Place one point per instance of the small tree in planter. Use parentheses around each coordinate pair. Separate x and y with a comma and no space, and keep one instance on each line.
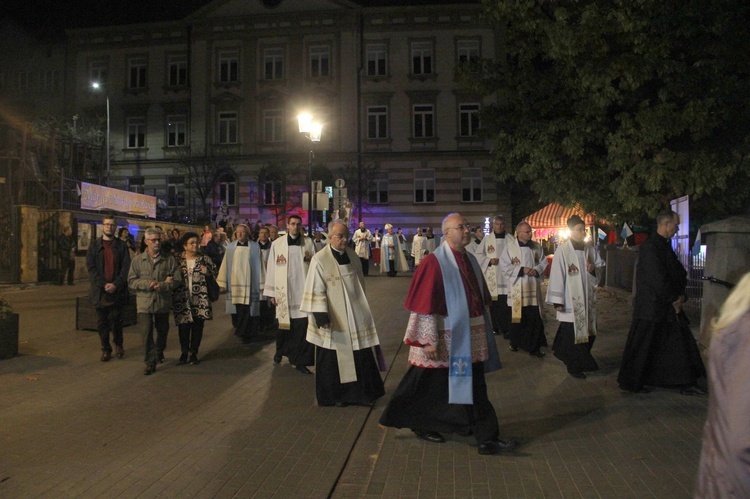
(8,330)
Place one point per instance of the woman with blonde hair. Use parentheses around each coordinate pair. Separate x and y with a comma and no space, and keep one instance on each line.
(724,469)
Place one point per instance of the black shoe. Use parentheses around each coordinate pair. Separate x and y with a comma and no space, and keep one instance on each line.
(149,370)
(194,361)
(496,333)
(160,357)
(578,375)
(183,359)
(537,353)
(341,404)
(303,369)
(430,436)
(693,390)
(497,446)
(513,348)
(119,351)
(506,336)
(277,358)
(106,355)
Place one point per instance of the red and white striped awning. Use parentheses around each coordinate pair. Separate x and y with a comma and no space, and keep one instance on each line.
(555,216)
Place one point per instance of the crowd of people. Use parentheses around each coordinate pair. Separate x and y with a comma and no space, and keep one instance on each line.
(467,292)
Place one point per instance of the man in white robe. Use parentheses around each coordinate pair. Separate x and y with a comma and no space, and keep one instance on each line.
(523,264)
(575,273)
(288,263)
(392,254)
(418,247)
(240,275)
(488,254)
(341,326)
(362,238)
(476,241)
(431,242)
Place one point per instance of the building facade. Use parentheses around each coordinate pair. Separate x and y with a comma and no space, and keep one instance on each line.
(220,91)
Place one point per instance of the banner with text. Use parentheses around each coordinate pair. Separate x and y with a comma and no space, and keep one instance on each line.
(96,197)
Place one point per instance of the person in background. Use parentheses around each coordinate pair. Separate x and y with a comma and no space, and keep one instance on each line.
(362,238)
(206,236)
(66,250)
(191,304)
(488,253)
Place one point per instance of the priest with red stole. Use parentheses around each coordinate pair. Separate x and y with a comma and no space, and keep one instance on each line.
(451,347)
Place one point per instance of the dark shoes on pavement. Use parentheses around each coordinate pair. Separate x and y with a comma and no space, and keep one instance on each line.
(537,353)
(693,390)
(513,348)
(194,361)
(429,436)
(303,369)
(277,358)
(106,355)
(183,359)
(119,351)
(151,369)
(160,357)
(578,375)
(496,446)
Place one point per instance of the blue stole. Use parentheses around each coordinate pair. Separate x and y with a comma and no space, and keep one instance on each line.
(254,251)
(460,388)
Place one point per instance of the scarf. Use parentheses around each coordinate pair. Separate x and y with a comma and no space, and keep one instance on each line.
(574,284)
(282,276)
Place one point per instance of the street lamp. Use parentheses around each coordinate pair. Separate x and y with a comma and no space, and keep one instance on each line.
(312,131)
(97,87)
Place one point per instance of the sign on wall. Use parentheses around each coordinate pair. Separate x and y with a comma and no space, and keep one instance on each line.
(97,197)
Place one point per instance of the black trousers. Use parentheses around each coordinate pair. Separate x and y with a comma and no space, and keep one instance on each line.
(391,267)
(67,266)
(365,265)
(501,314)
(109,319)
(247,325)
(292,343)
(191,335)
(159,321)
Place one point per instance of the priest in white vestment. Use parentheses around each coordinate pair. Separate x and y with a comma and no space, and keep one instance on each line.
(341,326)
(488,255)
(392,254)
(362,238)
(418,247)
(288,262)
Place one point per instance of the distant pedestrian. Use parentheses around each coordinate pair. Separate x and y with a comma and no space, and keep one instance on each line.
(66,250)
(724,469)
(660,349)
(362,238)
(153,276)
(392,253)
(108,264)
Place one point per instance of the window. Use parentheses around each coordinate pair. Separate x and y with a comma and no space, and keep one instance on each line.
(176,192)
(273,125)
(272,192)
(176,131)
(98,72)
(137,77)
(229,65)
(135,184)
(424,186)
(50,81)
(136,133)
(177,71)
(377,62)
(421,58)
(273,64)
(468,51)
(377,122)
(471,185)
(228,190)
(320,61)
(424,121)
(378,191)
(228,128)
(468,120)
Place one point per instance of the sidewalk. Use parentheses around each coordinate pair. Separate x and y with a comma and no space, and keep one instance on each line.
(238,426)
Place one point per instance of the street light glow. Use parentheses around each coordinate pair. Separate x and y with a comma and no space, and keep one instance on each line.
(305,122)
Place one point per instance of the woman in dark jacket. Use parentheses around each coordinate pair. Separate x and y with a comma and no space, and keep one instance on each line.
(192,306)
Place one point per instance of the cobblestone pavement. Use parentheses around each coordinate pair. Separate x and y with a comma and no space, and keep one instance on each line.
(238,426)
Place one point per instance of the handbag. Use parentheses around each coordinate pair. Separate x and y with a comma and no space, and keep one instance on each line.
(213,288)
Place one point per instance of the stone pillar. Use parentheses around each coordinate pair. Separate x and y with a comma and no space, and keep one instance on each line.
(28,223)
(727,258)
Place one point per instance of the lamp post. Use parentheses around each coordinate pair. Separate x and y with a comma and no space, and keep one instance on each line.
(312,131)
(98,86)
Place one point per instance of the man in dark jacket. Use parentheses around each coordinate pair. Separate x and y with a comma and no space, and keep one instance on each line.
(108,263)
(660,350)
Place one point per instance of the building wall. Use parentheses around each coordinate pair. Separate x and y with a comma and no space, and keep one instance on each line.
(249,30)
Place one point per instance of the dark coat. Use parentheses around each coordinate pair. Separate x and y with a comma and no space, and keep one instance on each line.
(660,280)
(95,266)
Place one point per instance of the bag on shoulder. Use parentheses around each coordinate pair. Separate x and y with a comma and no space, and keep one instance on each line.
(213,288)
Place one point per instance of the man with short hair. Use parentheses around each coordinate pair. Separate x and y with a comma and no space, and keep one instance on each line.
(476,241)
(488,253)
(108,264)
(451,348)
(362,238)
(575,273)
(392,254)
(266,309)
(240,274)
(660,349)
(419,247)
(285,281)
(341,326)
(523,264)
(153,276)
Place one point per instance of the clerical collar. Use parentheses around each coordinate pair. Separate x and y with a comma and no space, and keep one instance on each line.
(265,245)
(430,236)
(577,245)
(342,258)
(500,235)
(241,244)
(477,241)
(293,241)
(524,244)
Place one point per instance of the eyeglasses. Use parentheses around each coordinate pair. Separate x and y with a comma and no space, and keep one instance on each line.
(338,236)
(153,240)
(461,227)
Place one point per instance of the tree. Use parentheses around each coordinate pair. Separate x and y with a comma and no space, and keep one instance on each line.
(621,105)
(202,170)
